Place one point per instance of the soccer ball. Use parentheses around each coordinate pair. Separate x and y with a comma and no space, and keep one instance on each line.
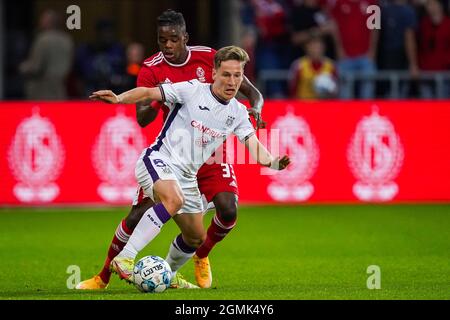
(325,85)
(152,274)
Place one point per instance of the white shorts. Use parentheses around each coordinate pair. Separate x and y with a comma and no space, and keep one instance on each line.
(153,166)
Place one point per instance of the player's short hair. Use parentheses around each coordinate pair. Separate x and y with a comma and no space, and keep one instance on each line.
(230,53)
(171,18)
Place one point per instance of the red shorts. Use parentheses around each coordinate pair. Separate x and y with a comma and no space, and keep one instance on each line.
(215,178)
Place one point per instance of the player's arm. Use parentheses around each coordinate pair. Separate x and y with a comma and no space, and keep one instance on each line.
(256,101)
(140,94)
(263,156)
(147,111)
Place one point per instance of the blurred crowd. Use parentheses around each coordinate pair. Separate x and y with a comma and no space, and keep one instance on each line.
(317,43)
(56,69)
(323,41)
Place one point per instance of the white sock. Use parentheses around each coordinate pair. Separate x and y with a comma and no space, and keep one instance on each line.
(146,230)
(179,254)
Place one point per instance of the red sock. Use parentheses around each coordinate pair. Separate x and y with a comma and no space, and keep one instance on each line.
(119,241)
(216,232)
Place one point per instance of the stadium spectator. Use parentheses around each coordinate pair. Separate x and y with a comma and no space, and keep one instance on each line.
(314,75)
(398,48)
(434,44)
(355,44)
(135,57)
(272,48)
(49,61)
(101,64)
(307,19)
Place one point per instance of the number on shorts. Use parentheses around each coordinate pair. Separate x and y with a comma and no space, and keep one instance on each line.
(159,163)
(228,171)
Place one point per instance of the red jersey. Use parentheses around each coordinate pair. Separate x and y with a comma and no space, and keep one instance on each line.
(434,45)
(351,17)
(156,69)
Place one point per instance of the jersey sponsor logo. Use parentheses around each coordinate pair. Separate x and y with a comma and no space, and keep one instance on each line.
(201,74)
(297,141)
(36,158)
(375,156)
(114,154)
(205,130)
(203,108)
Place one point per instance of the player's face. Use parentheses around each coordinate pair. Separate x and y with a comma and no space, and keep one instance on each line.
(172,42)
(227,79)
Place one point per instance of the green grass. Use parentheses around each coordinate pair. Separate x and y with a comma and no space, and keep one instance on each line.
(304,252)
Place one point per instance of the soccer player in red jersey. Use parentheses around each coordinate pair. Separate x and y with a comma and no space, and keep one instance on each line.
(178,62)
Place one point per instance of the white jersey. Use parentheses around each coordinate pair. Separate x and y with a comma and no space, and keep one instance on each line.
(198,123)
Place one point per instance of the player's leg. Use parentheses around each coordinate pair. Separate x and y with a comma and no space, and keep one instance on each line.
(190,222)
(122,234)
(137,211)
(149,226)
(184,245)
(119,240)
(222,223)
(155,176)
(218,183)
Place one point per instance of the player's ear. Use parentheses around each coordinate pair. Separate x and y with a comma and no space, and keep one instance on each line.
(186,37)
(214,73)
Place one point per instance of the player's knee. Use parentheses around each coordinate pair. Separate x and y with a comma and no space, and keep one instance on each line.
(227,212)
(133,218)
(137,211)
(173,203)
(226,206)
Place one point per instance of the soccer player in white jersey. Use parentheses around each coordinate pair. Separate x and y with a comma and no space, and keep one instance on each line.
(201,117)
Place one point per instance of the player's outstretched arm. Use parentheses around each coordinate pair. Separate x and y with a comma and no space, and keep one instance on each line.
(131,96)
(263,156)
(256,101)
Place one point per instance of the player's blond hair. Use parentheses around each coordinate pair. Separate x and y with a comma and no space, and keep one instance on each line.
(230,53)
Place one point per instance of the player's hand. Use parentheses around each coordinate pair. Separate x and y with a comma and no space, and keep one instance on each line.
(280,164)
(105,95)
(256,114)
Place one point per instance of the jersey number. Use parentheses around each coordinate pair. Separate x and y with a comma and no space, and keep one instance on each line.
(159,163)
(227,171)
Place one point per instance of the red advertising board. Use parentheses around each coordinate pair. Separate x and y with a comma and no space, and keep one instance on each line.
(378,151)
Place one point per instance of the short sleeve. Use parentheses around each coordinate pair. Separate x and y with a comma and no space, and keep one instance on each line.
(178,92)
(244,129)
(146,78)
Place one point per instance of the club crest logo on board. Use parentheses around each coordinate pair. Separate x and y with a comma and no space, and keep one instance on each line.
(297,141)
(36,158)
(114,155)
(375,156)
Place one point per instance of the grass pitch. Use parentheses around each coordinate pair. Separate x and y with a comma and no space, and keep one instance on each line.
(303,252)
